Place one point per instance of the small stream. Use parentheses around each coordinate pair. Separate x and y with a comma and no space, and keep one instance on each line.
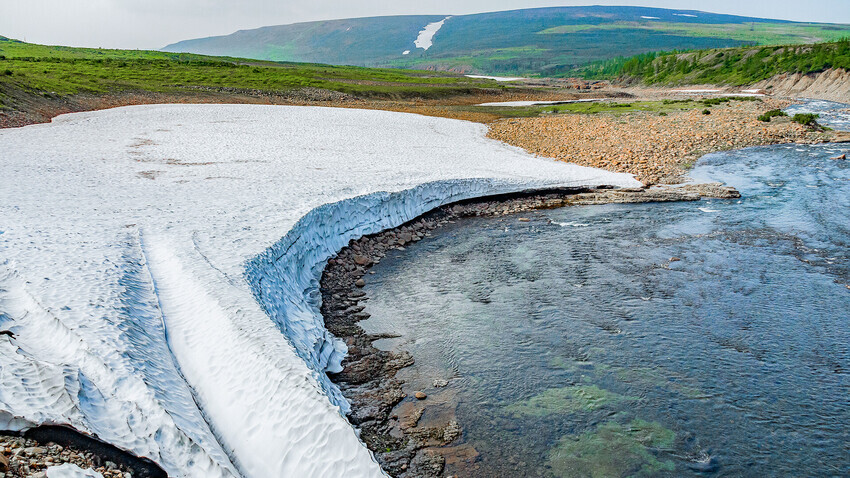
(683,339)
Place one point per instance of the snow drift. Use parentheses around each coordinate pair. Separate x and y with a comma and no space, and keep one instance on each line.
(159,269)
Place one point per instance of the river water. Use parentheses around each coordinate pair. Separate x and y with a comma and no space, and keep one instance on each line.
(684,339)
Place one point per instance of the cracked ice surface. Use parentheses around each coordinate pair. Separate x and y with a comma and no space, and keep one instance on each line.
(159,270)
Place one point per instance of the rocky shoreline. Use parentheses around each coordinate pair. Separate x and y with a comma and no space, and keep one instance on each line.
(31,454)
(389,420)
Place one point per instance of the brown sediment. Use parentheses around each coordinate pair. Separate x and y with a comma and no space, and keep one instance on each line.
(391,422)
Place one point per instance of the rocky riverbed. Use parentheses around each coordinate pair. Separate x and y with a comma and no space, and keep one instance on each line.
(390,425)
(27,458)
(655,148)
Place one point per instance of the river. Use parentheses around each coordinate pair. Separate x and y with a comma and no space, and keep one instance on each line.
(682,339)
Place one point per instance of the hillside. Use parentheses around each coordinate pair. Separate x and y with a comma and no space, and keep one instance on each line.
(38,81)
(732,66)
(541,41)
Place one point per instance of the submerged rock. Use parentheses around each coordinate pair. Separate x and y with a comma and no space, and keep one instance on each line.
(613,450)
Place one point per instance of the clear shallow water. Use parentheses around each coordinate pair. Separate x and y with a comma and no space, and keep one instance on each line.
(575,347)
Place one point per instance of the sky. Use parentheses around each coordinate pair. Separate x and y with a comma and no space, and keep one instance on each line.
(152,24)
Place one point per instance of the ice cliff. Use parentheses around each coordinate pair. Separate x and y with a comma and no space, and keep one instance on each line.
(159,269)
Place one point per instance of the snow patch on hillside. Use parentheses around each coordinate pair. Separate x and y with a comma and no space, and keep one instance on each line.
(426,37)
(159,270)
(496,78)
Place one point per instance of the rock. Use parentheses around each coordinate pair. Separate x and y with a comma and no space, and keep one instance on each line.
(4,463)
(34,451)
(362,260)
(843,156)
(524,219)
(439,382)
(675,259)
(420,395)
(360,283)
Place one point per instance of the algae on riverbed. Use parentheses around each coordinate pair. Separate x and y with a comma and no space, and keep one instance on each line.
(612,450)
(574,398)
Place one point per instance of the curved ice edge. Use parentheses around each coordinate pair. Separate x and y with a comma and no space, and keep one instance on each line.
(285,277)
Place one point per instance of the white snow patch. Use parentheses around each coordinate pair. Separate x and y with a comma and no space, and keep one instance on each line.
(496,78)
(650,18)
(685,15)
(570,224)
(159,270)
(426,36)
(695,91)
(69,470)
(533,103)
(405,52)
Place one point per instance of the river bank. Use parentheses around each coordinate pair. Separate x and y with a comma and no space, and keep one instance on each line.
(656,148)
(391,423)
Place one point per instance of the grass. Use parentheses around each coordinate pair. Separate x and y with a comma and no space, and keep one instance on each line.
(755,33)
(662,108)
(766,117)
(806,119)
(730,66)
(57,70)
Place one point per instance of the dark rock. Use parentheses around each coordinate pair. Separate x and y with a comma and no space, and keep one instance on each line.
(362,260)
(360,283)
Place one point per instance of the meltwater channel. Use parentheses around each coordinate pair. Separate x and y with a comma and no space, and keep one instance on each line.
(685,339)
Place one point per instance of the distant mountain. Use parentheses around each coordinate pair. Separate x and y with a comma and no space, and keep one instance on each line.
(547,41)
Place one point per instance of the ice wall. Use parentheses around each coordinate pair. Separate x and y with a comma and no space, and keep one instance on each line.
(159,268)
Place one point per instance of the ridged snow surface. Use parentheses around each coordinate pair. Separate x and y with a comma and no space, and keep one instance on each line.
(159,270)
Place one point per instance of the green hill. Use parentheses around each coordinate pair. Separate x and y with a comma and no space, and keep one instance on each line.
(541,41)
(62,71)
(732,66)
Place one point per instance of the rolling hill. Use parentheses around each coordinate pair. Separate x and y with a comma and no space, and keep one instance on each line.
(540,41)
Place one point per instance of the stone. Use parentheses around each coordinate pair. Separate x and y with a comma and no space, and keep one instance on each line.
(360,283)
(675,259)
(420,395)
(34,450)
(524,219)
(4,462)
(843,156)
(362,260)
(440,382)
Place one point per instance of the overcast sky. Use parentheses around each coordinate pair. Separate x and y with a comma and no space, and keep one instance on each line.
(151,24)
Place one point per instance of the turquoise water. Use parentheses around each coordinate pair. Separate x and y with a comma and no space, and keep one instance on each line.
(575,346)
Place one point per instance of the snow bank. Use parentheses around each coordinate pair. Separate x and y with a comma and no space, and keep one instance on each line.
(496,78)
(534,103)
(69,470)
(426,37)
(159,269)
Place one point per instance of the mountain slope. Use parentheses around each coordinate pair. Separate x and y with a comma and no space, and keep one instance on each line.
(547,41)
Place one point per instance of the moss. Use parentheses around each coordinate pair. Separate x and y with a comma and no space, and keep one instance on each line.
(575,398)
(613,450)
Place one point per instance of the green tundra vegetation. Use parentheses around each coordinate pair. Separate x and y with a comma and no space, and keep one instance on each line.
(56,70)
(547,42)
(729,66)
